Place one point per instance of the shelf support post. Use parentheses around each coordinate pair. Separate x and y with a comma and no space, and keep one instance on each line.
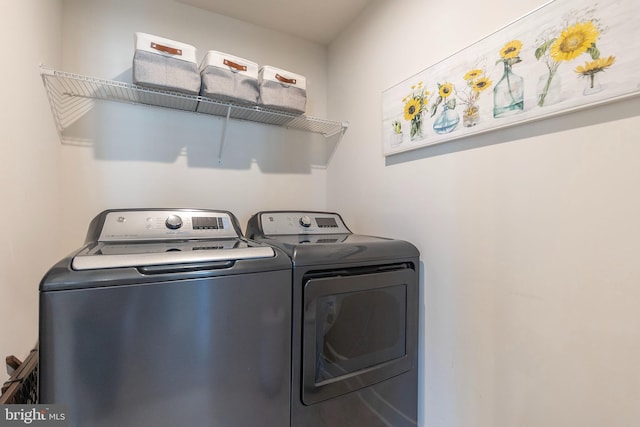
(224,134)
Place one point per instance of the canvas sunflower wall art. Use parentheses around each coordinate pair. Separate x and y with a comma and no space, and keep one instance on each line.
(564,56)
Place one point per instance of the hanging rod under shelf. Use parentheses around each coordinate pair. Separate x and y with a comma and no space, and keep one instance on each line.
(71,95)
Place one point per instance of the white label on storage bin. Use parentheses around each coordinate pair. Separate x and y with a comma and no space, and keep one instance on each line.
(230,62)
(286,78)
(165,47)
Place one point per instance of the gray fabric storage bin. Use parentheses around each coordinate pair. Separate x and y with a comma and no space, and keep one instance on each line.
(165,64)
(282,90)
(229,78)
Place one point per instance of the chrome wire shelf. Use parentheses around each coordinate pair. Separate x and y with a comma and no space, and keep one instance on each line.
(72,95)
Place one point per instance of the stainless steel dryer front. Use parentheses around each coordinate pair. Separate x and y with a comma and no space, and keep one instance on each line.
(167,317)
(355,321)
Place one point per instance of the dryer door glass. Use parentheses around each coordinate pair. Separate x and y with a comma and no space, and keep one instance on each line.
(355,331)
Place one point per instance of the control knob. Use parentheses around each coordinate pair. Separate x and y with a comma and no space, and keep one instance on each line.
(305,221)
(173,222)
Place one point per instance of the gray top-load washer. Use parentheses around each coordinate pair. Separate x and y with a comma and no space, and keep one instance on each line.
(167,317)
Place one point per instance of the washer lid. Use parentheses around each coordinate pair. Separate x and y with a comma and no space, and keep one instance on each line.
(112,255)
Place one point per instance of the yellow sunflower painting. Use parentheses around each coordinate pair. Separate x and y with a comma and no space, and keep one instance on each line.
(477,82)
(411,109)
(481,84)
(564,56)
(511,50)
(574,41)
(446,89)
(593,67)
(415,104)
(473,74)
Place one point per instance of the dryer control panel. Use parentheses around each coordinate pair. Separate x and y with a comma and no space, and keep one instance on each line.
(301,222)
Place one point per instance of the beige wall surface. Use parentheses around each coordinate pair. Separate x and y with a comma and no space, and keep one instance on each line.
(119,155)
(529,235)
(29,169)
(134,156)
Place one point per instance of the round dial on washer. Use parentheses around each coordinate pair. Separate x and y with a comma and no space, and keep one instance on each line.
(305,221)
(173,222)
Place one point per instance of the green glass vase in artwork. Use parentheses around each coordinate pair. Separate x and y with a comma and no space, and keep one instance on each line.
(508,94)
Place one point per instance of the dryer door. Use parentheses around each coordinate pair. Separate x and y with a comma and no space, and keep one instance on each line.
(359,329)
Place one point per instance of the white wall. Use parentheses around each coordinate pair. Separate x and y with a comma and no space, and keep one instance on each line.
(121,155)
(29,168)
(529,236)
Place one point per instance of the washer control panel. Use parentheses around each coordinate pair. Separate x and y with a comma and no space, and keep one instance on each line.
(166,224)
(301,222)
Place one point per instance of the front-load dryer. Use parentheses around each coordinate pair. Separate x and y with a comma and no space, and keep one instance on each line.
(354,321)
